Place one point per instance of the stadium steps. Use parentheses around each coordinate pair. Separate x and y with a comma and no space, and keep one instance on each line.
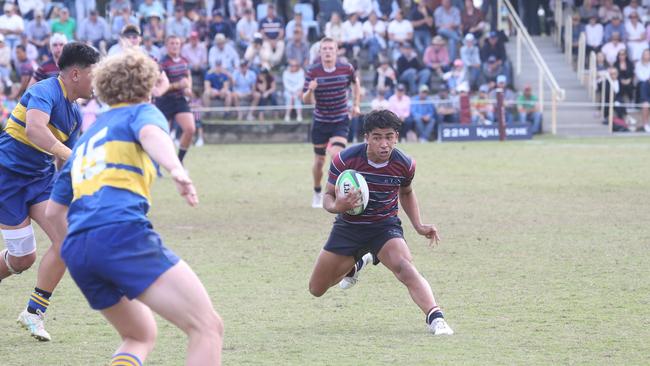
(572,121)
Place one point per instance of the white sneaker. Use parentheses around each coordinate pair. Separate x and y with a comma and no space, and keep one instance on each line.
(317,200)
(35,324)
(646,127)
(348,282)
(439,327)
(199,142)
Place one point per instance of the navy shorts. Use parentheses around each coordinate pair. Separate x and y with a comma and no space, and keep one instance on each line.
(355,240)
(321,132)
(172,105)
(19,192)
(116,260)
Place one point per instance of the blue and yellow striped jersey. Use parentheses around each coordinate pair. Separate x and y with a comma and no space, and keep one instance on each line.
(108,176)
(20,155)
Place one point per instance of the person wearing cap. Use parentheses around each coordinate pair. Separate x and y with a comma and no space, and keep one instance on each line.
(38,32)
(154,29)
(509,97)
(491,69)
(123,19)
(150,7)
(472,20)
(64,24)
(246,28)
(374,35)
(297,48)
(471,57)
(456,76)
(615,26)
(410,69)
(12,25)
(528,108)
(423,114)
(608,11)
(50,68)
(436,56)
(448,22)
(196,53)
(243,87)
(219,24)
(482,107)
(130,36)
(178,25)
(447,106)
(93,29)
(225,52)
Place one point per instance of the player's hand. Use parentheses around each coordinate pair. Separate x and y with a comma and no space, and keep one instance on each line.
(185,186)
(348,201)
(356,111)
(430,232)
(313,85)
(183,83)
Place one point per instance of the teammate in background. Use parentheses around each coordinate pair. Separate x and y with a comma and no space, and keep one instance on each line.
(116,259)
(326,85)
(377,232)
(50,68)
(40,132)
(173,104)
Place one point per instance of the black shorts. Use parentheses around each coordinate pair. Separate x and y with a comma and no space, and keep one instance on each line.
(321,132)
(355,240)
(172,105)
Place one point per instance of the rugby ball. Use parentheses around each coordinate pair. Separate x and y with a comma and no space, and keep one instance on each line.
(351,179)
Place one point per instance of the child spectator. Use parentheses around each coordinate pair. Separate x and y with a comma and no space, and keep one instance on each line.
(293,80)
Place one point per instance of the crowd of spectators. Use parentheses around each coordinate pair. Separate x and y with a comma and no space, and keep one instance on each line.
(416,60)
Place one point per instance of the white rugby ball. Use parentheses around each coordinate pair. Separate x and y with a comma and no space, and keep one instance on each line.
(346,181)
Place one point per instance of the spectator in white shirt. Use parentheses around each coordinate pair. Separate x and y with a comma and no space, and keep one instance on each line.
(178,25)
(225,52)
(294,23)
(247,26)
(352,35)
(196,54)
(594,34)
(11,25)
(334,29)
(636,38)
(360,7)
(611,48)
(400,30)
(293,80)
(634,7)
(374,35)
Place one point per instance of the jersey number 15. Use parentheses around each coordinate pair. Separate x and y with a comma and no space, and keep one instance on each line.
(90,159)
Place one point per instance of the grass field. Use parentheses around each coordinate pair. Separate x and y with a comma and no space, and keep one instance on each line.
(545,260)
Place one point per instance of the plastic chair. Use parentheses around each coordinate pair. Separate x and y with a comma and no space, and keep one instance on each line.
(307,12)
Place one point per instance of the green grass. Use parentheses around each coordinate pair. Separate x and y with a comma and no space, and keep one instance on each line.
(544,260)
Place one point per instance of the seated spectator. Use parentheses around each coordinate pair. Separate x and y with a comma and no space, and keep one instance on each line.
(613,27)
(334,30)
(625,69)
(400,31)
(494,46)
(149,7)
(12,25)
(385,76)
(422,21)
(642,73)
(619,111)
(30,52)
(447,19)
(154,29)
(219,24)
(447,106)
(297,48)
(196,54)
(293,80)
(294,23)
(380,102)
(178,25)
(93,29)
(201,25)
(374,36)
(587,11)
(609,11)
(150,48)
(492,69)
(482,107)
(244,81)
(509,98)
(352,36)
(473,20)
(577,29)
(636,37)
(400,104)
(216,85)
(273,50)
(124,18)
(272,27)
(264,94)
(246,29)
(361,8)
(456,76)
(5,61)
(594,35)
(225,52)
(410,69)
(423,114)
(528,108)
(38,32)
(64,24)
(471,57)
(117,6)
(436,56)
(257,58)
(236,8)
(611,48)
(634,7)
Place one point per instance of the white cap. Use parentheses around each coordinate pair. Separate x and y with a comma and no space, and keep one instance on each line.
(58,38)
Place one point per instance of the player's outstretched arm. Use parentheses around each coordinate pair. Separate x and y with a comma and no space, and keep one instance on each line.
(410,205)
(41,136)
(336,204)
(160,147)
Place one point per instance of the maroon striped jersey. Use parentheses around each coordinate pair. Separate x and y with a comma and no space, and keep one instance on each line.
(49,69)
(332,92)
(176,69)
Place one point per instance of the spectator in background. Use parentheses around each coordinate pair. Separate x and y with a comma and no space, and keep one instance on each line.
(612,48)
(447,19)
(24,68)
(117,6)
(608,11)
(385,76)
(5,61)
(447,106)
(473,20)
(150,48)
(400,104)
(636,37)
(243,87)
(400,31)
(352,36)
(470,55)
(272,26)
(410,69)
(422,22)
(334,29)
(149,7)
(423,114)
(594,35)
(219,24)
(482,107)
(257,58)
(49,68)
(625,69)
(642,73)
(509,97)
(634,7)
(614,85)
(436,56)
(528,108)
(154,29)
(297,48)
(264,94)
(587,10)
(93,29)
(374,35)
(216,85)
(238,7)
(124,18)
(196,54)
(12,25)
(178,25)
(129,37)
(361,8)
(380,102)
(274,51)
(38,32)
(293,80)
(615,26)
(201,25)
(492,69)
(225,52)
(494,46)
(576,29)
(246,28)
(30,52)
(294,23)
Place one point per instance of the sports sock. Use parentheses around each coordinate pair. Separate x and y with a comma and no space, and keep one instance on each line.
(357,267)
(125,359)
(317,189)
(181,154)
(434,313)
(39,300)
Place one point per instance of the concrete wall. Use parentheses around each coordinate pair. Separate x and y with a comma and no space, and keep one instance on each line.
(256,133)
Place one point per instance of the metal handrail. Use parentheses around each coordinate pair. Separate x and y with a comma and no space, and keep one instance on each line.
(557,93)
(558,22)
(592,76)
(582,50)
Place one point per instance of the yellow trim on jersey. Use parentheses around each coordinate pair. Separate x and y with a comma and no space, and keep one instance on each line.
(18,132)
(65,93)
(119,105)
(128,153)
(116,178)
(121,362)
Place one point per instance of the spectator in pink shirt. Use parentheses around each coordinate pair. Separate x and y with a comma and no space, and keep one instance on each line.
(196,54)
(436,56)
(400,104)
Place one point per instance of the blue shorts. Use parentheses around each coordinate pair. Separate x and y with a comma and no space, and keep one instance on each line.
(116,260)
(322,132)
(355,240)
(19,192)
(172,105)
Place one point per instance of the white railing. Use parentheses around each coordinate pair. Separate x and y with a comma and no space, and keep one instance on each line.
(592,77)
(568,39)
(545,75)
(558,22)
(582,50)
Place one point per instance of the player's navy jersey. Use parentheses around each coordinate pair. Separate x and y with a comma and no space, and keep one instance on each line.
(332,92)
(384,181)
(176,69)
(108,176)
(19,154)
(49,69)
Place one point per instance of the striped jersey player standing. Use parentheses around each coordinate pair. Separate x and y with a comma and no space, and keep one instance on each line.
(326,85)
(376,234)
